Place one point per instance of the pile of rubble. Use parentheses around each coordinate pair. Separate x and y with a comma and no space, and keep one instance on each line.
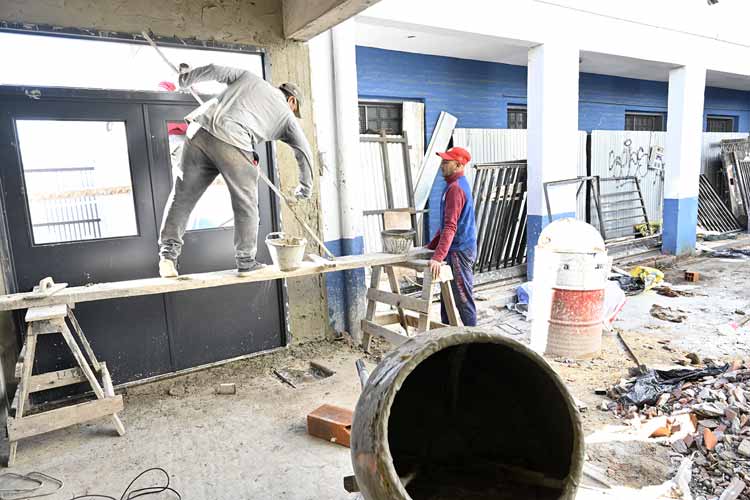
(705,415)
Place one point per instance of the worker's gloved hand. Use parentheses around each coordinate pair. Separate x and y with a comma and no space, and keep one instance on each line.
(182,79)
(302,193)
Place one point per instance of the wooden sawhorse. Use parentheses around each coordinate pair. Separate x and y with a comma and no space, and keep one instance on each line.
(52,320)
(374,325)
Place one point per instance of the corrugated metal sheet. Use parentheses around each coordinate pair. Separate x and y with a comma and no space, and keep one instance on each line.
(616,153)
(488,145)
(493,145)
(374,192)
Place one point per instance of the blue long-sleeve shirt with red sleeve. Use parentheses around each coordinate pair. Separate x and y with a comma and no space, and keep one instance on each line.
(455,200)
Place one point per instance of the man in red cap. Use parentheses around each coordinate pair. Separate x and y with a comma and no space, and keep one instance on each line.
(456,240)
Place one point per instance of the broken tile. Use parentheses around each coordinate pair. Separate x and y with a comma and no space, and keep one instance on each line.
(709,439)
(680,447)
(744,448)
(710,409)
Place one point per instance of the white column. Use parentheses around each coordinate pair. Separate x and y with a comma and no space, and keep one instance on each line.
(552,134)
(687,86)
(335,101)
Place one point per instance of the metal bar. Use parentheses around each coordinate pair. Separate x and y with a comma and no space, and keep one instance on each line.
(598,203)
(490,202)
(504,232)
(499,218)
(619,193)
(643,204)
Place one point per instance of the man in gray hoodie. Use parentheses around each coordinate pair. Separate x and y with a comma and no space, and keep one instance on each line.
(249,111)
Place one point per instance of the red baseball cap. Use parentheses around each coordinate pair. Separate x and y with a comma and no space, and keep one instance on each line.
(458,154)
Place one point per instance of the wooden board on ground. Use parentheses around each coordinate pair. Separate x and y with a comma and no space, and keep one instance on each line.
(151,286)
(62,417)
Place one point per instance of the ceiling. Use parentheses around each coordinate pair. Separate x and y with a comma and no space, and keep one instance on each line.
(372,32)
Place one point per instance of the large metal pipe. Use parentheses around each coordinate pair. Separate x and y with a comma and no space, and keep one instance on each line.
(462,413)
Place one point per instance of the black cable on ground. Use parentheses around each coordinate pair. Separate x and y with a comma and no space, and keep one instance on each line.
(139,492)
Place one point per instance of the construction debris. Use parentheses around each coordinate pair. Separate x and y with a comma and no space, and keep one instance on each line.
(668,314)
(702,412)
(667,291)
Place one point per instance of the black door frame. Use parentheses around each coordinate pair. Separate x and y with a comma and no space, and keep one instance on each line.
(74,95)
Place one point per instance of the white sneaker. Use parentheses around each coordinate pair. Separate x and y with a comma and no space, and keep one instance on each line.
(167,268)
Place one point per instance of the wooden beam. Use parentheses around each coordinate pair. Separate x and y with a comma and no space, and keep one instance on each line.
(396,300)
(46,312)
(411,320)
(62,417)
(60,378)
(376,330)
(151,286)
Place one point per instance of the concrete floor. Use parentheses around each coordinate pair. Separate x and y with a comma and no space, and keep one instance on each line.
(254,444)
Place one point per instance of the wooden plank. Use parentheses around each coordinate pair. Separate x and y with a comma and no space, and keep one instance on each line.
(396,289)
(109,392)
(46,327)
(400,301)
(60,378)
(40,423)
(28,365)
(446,273)
(424,319)
(377,271)
(81,360)
(411,320)
(19,363)
(84,340)
(151,286)
(446,292)
(379,331)
(41,313)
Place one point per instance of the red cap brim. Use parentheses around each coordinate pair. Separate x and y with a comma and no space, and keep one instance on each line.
(445,156)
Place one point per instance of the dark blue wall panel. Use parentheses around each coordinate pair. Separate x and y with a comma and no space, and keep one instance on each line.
(478,92)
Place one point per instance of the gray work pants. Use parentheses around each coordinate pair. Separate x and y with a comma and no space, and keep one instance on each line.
(203,158)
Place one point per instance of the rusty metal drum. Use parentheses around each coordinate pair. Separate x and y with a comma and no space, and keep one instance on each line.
(462,413)
(574,260)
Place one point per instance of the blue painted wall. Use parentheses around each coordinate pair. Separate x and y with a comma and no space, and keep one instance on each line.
(478,93)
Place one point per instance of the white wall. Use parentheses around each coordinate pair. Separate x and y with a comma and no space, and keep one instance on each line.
(638,29)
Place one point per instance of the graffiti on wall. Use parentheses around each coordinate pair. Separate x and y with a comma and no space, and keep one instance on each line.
(632,162)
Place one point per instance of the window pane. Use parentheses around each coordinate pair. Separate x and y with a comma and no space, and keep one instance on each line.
(48,61)
(720,124)
(644,121)
(77,176)
(214,209)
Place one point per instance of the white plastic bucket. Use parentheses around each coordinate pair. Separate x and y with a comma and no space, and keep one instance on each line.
(286,251)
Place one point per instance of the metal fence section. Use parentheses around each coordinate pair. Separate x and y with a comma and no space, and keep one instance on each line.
(500,197)
(630,154)
(711,162)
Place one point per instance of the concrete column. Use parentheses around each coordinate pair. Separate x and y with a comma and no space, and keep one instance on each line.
(683,158)
(335,100)
(552,135)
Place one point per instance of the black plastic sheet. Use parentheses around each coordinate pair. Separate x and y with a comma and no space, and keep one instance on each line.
(649,386)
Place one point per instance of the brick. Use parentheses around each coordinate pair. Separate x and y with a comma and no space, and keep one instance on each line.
(709,439)
(331,423)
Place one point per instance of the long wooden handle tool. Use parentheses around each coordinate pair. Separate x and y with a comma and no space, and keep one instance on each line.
(262,175)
